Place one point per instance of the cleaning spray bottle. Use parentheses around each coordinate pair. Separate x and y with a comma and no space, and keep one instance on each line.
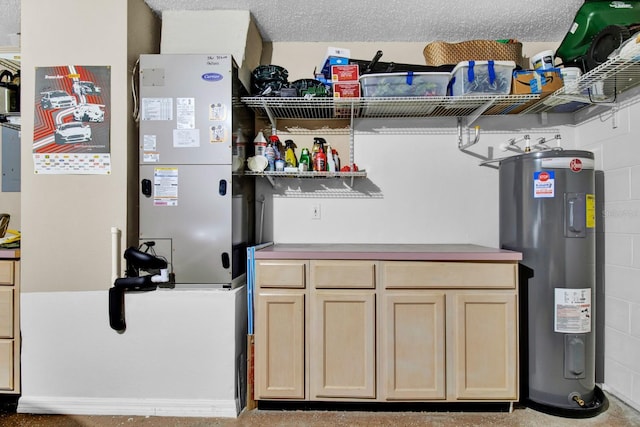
(277,146)
(290,154)
(336,158)
(331,164)
(270,154)
(318,143)
(320,164)
(305,161)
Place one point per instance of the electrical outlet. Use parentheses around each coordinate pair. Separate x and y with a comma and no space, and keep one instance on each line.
(315,211)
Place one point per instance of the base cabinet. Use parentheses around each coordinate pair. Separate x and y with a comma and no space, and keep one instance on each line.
(375,330)
(342,346)
(279,360)
(485,335)
(280,370)
(9,327)
(413,346)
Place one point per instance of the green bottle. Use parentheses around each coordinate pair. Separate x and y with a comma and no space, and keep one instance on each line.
(305,160)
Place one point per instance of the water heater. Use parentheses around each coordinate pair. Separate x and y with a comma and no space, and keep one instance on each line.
(547,212)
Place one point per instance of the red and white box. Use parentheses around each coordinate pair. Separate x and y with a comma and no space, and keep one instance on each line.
(346,90)
(345,73)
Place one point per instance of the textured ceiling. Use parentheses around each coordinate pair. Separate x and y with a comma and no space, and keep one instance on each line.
(397,20)
(376,20)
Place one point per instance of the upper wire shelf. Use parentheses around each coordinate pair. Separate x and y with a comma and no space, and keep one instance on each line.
(600,85)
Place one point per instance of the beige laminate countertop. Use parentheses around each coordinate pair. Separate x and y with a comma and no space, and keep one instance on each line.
(9,253)
(405,252)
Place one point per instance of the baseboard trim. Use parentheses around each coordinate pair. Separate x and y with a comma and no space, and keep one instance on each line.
(140,407)
(620,396)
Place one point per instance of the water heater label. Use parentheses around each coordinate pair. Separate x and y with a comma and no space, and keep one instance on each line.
(591,211)
(572,314)
(543,184)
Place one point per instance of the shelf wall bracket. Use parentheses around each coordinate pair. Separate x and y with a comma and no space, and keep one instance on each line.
(272,120)
(461,144)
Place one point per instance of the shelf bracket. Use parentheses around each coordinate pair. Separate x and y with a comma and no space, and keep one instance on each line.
(469,143)
(272,119)
(271,181)
(462,146)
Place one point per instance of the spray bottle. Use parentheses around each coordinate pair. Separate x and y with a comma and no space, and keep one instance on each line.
(277,146)
(290,154)
(320,164)
(331,164)
(336,158)
(318,143)
(270,154)
(305,161)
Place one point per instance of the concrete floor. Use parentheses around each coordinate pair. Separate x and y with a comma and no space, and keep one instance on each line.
(617,415)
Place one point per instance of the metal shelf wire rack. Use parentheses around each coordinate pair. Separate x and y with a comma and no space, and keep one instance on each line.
(600,85)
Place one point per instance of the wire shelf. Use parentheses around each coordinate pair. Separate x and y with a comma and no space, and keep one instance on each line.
(392,107)
(308,174)
(600,85)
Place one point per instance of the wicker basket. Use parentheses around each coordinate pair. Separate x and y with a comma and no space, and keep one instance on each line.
(443,53)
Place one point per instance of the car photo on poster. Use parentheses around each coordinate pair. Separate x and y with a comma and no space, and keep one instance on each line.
(73,132)
(88,113)
(83,87)
(57,99)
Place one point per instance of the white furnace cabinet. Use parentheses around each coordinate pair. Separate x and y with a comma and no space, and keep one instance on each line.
(195,204)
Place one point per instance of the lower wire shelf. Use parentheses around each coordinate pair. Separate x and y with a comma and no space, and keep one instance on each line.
(270,175)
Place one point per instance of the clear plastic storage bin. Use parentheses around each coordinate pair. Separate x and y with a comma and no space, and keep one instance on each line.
(482,78)
(404,84)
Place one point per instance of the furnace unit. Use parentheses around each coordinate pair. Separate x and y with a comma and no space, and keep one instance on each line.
(195,203)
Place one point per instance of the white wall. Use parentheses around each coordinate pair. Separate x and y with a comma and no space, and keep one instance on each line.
(178,355)
(419,188)
(614,139)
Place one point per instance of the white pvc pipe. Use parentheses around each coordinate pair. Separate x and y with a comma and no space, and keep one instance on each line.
(115,254)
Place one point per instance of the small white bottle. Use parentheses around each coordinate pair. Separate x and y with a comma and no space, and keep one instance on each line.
(331,164)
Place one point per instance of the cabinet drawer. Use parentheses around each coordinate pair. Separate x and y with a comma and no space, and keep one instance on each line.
(6,312)
(427,274)
(6,273)
(6,365)
(337,274)
(281,274)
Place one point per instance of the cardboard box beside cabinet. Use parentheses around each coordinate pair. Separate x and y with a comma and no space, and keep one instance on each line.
(536,81)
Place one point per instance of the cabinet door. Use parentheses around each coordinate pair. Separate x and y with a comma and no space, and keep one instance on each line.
(413,345)
(6,312)
(6,365)
(342,344)
(6,273)
(486,354)
(279,345)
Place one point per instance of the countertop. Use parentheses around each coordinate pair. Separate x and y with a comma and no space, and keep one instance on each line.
(9,253)
(403,252)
